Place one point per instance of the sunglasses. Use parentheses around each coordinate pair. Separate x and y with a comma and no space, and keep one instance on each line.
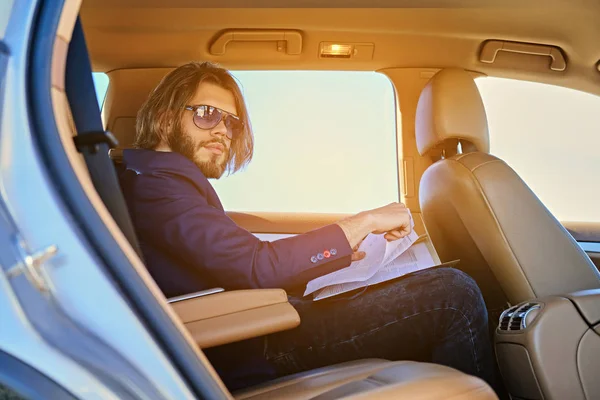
(207,117)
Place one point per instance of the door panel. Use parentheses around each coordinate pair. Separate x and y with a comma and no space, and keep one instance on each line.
(584,231)
(293,223)
(265,222)
(587,235)
(271,226)
(595,257)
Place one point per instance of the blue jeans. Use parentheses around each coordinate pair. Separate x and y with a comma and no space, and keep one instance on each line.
(436,315)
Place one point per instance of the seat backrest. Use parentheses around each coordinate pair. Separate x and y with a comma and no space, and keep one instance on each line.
(127,91)
(477,209)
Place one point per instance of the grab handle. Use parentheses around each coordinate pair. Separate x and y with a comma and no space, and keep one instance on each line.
(492,47)
(292,40)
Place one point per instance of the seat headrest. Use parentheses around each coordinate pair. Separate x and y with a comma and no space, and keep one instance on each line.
(450,110)
(127,91)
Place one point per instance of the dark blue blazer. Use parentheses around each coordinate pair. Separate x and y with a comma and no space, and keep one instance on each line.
(189,243)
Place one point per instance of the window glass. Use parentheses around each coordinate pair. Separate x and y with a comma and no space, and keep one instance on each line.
(101,85)
(324,142)
(551,137)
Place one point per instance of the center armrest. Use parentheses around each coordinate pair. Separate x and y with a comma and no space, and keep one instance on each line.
(236,315)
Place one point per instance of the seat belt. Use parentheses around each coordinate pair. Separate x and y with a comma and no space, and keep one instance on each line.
(91,139)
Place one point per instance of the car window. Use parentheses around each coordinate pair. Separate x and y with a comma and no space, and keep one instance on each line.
(550,135)
(101,85)
(325,141)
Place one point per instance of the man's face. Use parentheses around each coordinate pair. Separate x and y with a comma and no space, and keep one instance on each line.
(207,148)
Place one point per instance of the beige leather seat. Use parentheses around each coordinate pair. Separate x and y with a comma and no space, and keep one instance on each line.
(374,379)
(225,317)
(478,210)
(128,90)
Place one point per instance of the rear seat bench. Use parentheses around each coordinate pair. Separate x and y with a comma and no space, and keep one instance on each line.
(374,379)
(216,317)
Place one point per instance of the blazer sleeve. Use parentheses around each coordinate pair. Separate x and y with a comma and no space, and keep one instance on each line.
(171,214)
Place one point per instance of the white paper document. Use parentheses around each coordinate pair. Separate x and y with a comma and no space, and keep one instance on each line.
(383,261)
(375,248)
(414,259)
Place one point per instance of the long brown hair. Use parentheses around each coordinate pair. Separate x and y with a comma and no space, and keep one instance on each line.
(161,114)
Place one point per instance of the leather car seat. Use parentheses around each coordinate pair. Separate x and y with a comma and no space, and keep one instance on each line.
(374,379)
(477,209)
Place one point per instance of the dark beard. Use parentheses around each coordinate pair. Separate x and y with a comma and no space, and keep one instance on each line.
(181,143)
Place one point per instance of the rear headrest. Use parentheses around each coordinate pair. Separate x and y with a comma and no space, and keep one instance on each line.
(450,111)
(127,91)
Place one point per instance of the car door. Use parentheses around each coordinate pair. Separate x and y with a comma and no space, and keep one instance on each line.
(18,378)
(67,326)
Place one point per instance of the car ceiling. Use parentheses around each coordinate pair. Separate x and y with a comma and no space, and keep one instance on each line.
(428,34)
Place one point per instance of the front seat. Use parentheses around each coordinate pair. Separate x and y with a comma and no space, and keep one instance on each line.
(477,209)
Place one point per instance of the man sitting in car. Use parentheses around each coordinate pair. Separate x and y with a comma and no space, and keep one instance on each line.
(195,126)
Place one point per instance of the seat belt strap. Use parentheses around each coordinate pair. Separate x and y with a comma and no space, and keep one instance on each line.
(91,139)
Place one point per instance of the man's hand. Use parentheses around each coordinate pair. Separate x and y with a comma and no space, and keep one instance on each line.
(393,220)
(357,255)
